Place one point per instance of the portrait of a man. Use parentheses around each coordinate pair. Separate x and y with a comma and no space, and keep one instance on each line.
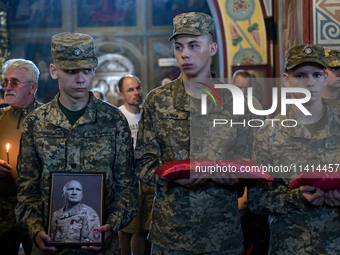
(75,222)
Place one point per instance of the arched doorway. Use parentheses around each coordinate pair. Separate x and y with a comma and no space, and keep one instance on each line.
(111,67)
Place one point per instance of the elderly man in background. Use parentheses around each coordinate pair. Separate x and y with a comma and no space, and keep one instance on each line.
(20,84)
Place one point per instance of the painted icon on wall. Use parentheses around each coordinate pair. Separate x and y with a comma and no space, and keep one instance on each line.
(35,14)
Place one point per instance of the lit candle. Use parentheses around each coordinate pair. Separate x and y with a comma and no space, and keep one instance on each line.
(8,153)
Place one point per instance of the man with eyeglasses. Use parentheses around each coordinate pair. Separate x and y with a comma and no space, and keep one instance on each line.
(20,85)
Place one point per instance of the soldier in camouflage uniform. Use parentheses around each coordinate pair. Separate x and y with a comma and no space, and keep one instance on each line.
(305,220)
(21,83)
(75,132)
(196,215)
(75,222)
(331,92)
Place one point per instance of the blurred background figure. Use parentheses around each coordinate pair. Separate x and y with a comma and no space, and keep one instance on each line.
(3,102)
(243,80)
(98,93)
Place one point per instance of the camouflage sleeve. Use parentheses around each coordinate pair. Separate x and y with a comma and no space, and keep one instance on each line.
(29,210)
(53,230)
(90,224)
(123,206)
(245,138)
(273,197)
(148,151)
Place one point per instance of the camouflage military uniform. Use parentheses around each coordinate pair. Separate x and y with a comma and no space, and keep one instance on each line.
(99,141)
(332,57)
(11,119)
(333,60)
(74,225)
(199,219)
(296,226)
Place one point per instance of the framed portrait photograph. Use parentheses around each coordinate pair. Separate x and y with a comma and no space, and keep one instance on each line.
(76,208)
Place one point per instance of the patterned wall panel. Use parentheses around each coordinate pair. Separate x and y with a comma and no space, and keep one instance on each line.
(244,33)
(327,23)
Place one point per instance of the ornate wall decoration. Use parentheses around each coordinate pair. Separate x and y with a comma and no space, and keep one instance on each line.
(327,23)
(244,33)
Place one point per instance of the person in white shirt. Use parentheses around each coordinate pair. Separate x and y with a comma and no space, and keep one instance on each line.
(130,90)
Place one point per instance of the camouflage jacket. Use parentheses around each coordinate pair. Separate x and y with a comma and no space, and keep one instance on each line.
(99,141)
(11,119)
(334,103)
(296,226)
(202,218)
(75,225)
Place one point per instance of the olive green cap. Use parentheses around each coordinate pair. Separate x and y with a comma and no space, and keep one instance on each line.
(193,23)
(305,53)
(332,57)
(73,51)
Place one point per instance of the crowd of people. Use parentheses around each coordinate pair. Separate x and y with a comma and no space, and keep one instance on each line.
(144,213)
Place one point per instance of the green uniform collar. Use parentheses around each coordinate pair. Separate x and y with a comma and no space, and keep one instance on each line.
(56,117)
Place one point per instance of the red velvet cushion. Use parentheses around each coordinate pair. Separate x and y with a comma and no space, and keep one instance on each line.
(180,169)
(323,179)
(244,169)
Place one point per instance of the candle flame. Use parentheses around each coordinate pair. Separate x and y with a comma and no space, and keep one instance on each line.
(7,147)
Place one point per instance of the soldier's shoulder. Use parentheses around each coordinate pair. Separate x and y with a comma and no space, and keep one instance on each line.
(3,111)
(268,128)
(103,105)
(86,207)
(41,110)
(163,91)
(57,212)
(108,111)
(43,107)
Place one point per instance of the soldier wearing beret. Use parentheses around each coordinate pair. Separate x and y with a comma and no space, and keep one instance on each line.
(75,132)
(331,92)
(303,220)
(195,215)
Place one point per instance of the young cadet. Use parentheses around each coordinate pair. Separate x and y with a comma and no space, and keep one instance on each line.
(304,220)
(75,132)
(331,92)
(196,215)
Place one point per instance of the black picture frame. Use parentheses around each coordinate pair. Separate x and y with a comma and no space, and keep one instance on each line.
(77,225)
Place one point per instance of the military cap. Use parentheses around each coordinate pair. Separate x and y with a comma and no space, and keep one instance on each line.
(305,53)
(332,57)
(73,51)
(193,23)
